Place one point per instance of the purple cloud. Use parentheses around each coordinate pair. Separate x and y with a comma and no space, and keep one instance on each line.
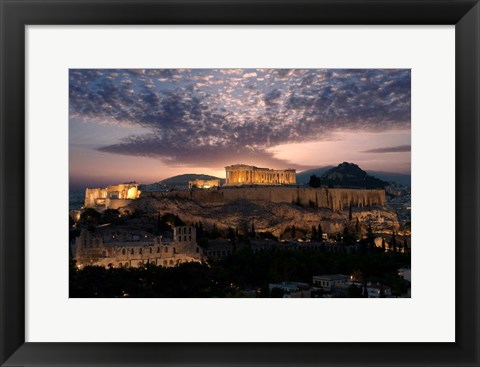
(397,149)
(192,113)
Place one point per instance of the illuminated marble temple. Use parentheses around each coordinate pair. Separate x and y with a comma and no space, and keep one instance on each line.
(242,174)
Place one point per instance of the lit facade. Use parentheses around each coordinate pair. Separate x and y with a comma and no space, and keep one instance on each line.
(112,196)
(203,184)
(242,174)
(91,249)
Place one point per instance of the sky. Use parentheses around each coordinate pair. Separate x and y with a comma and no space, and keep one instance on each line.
(146,125)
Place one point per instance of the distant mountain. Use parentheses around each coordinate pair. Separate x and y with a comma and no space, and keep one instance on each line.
(350,175)
(182,180)
(304,177)
(398,178)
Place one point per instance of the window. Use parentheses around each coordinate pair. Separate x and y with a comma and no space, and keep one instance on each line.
(158,249)
(120,265)
(184,238)
(189,238)
(165,262)
(123,251)
(171,262)
(140,251)
(132,252)
(166,249)
(150,250)
(174,251)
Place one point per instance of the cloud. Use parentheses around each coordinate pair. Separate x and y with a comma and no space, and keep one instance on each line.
(397,149)
(194,113)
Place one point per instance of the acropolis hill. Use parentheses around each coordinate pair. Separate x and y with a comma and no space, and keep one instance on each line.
(269,198)
(244,182)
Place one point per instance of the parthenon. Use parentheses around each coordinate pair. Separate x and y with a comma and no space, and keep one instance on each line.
(242,174)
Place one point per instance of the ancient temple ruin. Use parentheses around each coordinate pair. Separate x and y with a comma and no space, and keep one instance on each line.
(93,249)
(242,174)
(112,196)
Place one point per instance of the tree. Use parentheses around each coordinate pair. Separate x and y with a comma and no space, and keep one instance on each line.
(350,212)
(110,216)
(253,229)
(383,245)
(370,238)
(314,234)
(358,229)
(293,232)
(314,181)
(320,233)
(231,234)
(405,246)
(91,216)
(157,230)
(214,233)
(394,241)
(348,237)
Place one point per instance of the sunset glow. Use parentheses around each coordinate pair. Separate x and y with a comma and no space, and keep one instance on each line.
(148,125)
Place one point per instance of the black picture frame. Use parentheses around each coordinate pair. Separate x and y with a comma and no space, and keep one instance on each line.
(16,14)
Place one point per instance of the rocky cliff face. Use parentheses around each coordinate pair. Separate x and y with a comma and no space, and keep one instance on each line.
(334,199)
(268,216)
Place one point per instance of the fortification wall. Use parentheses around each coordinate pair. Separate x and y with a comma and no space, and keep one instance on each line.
(208,196)
(335,199)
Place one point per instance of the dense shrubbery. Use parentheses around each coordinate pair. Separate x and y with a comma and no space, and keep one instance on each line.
(240,271)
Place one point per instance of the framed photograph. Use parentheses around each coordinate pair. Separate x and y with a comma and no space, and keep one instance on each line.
(239,183)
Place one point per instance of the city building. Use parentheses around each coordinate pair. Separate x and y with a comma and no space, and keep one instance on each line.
(242,174)
(292,289)
(378,291)
(327,282)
